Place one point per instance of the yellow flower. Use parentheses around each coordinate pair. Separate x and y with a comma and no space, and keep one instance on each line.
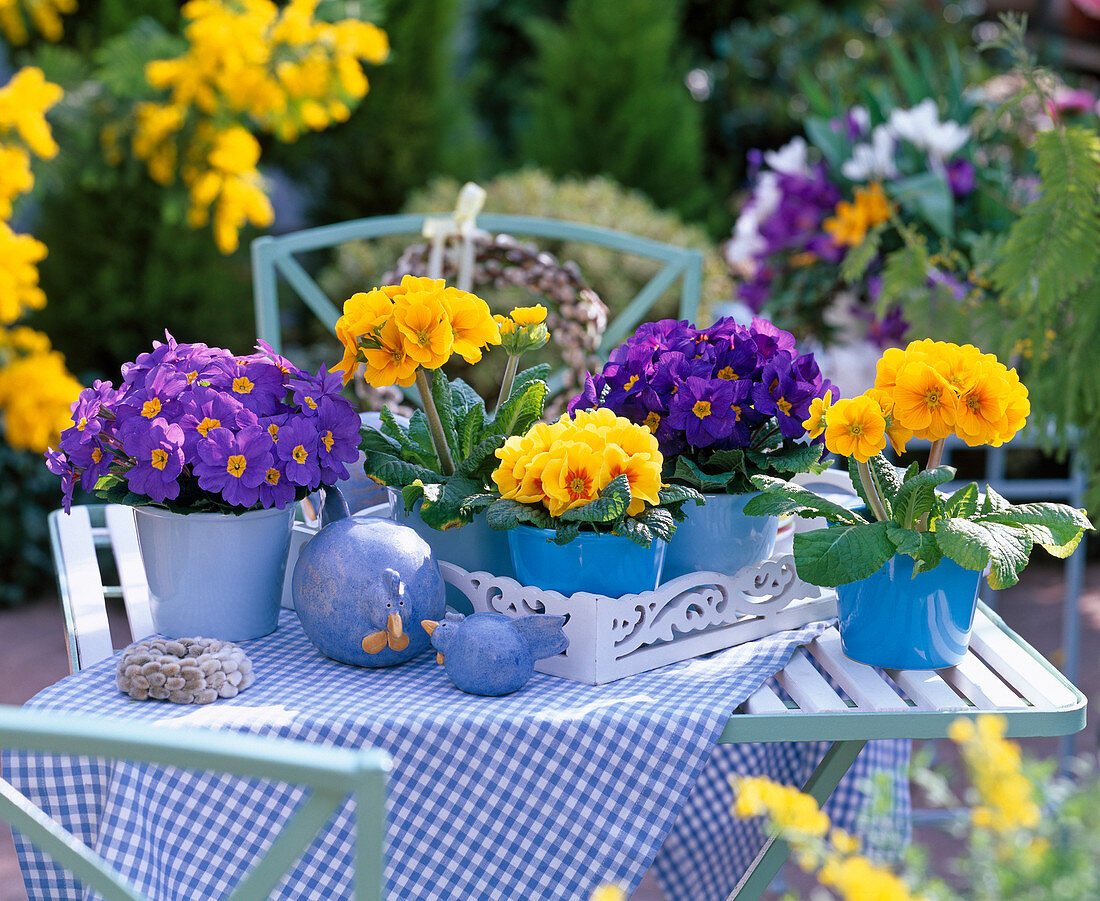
(983,400)
(472,323)
(895,432)
(849,226)
(363,317)
(15,176)
(1008,801)
(529,315)
(24,101)
(815,423)
(36,392)
(425,327)
(19,259)
(389,363)
(505,325)
(924,401)
(856,428)
(571,476)
(608,893)
(45,15)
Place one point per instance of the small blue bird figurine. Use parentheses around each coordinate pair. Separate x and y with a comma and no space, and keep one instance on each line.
(493,654)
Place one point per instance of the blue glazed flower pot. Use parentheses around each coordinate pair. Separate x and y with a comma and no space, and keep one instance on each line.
(214,575)
(719,537)
(474,546)
(896,620)
(602,564)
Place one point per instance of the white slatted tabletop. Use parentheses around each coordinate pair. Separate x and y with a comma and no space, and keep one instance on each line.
(1001,673)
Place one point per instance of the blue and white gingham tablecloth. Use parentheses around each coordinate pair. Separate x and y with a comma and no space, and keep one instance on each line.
(545,794)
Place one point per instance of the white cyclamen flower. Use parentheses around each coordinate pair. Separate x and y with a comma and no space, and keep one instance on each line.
(790,159)
(747,242)
(921,127)
(874,160)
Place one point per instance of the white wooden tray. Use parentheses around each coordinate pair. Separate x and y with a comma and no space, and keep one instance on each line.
(698,613)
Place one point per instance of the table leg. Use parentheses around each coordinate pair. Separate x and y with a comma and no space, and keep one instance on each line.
(836,762)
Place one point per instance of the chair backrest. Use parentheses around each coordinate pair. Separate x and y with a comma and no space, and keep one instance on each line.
(328,775)
(273,257)
(76,539)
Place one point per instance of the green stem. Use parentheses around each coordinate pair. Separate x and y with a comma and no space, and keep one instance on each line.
(871,491)
(435,425)
(506,382)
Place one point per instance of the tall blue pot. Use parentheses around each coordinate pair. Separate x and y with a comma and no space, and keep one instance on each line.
(215,575)
(896,620)
(719,537)
(610,565)
(474,546)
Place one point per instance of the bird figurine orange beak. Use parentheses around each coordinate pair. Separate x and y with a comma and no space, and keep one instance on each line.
(393,635)
(429,627)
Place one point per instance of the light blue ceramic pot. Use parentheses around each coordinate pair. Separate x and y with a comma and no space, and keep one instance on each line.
(719,537)
(896,620)
(602,564)
(214,575)
(473,546)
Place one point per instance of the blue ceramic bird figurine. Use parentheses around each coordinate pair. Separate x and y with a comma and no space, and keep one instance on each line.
(493,654)
(361,587)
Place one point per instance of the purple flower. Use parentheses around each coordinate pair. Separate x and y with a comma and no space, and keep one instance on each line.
(960,176)
(58,464)
(703,409)
(255,383)
(337,438)
(770,339)
(205,409)
(158,452)
(276,490)
(309,391)
(234,465)
(783,394)
(590,396)
(296,450)
(267,353)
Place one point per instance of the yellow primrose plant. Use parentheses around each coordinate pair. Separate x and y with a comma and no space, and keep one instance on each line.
(594,472)
(930,390)
(403,335)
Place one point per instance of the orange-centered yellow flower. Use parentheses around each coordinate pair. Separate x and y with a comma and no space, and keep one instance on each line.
(388,364)
(425,328)
(856,428)
(571,477)
(472,323)
(924,401)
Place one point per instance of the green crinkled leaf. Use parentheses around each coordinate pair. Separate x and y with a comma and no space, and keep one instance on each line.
(520,411)
(975,545)
(530,374)
(993,502)
(962,504)
(566,532)
(796,458)
(659,521)
(441,395)
(675,494)
(503,514)
(442,507)
(726,462)
(917,495)
(463,399)
(921,546)
(413,448)
(395,472)
(842,553)
(372,441)
(610,505)
(778,498)
(482,457)
(475,503)
(638,532)
(1056,527)
(471,427)
(687,472)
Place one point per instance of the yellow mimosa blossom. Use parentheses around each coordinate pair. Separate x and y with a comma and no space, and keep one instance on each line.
(608,893)
(24,101)
(19,259)
(814,424)
(36,392)
(45,15)
(849,226)
(15,176)
(785,807)
(856,428)
(1008,799)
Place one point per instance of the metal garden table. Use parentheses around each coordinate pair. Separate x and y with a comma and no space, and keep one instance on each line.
(1000,674)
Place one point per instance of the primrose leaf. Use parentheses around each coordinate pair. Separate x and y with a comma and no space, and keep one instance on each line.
(975,545)
(778,498)
(842,553)
(609,506)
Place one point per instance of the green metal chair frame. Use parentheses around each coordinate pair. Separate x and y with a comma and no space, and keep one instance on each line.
(274,256)
(329,775)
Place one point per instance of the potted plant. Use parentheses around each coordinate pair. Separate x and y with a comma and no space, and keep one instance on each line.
(403,335)
(583,504)
(907,569)
(211,450)
(726,403)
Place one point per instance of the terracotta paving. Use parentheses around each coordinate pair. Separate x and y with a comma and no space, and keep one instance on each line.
(32,656)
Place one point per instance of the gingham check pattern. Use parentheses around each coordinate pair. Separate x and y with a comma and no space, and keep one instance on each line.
(547,793)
